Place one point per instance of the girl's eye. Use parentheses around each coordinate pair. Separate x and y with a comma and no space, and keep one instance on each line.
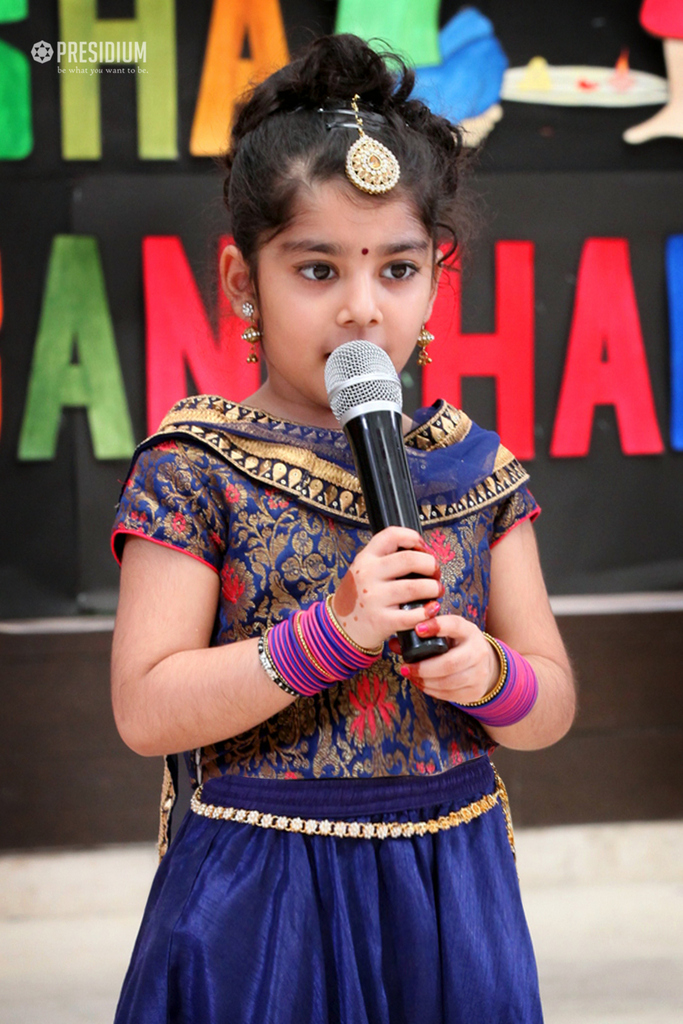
(399,271)
(318,272)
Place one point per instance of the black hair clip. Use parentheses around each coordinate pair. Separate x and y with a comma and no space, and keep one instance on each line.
(346,118)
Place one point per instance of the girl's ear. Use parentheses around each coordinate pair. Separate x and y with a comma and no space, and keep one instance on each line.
(236,280)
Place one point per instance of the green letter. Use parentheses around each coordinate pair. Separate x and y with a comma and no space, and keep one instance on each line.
(75,320)
(16,130)
(154,26)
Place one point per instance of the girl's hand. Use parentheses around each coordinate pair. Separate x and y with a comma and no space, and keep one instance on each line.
(466,673)
(368,600)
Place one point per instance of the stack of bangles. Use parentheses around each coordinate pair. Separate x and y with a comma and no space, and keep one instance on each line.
(514,694)
(310,651)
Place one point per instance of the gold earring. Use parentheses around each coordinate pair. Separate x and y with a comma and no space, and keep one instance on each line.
(423,339)
(252,334)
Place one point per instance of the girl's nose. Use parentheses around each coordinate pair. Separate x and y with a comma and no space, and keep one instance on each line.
(359,305)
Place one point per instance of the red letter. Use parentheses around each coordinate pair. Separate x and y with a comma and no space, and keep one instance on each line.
(179,335)
(606,362)
(507,355)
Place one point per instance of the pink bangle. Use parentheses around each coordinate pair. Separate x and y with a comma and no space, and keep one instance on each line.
(309,651)
(513,696)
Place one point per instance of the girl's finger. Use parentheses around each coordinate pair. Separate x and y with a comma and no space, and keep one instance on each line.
(401,563)
(402,620)
(430,609)
(455,627)
(393,538)
(455,662)
(400,592)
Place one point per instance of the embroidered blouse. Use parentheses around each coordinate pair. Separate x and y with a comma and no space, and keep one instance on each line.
(276,510)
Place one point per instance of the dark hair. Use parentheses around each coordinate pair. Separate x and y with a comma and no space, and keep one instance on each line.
(280,139)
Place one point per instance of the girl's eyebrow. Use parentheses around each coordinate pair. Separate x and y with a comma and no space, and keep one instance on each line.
(409,245)
(312,245)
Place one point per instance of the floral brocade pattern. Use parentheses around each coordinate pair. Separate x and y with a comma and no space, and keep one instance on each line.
(274,555)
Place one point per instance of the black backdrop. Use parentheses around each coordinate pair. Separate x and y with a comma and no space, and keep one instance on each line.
(552,175)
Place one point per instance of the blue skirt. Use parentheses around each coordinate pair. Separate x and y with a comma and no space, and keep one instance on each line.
(252,924)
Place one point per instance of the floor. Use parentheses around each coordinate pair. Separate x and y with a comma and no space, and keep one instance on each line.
(604,904)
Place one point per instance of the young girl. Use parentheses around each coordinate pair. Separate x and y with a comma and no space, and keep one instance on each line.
(347,856)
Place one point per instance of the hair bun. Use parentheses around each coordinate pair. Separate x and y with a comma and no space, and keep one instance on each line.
(332,69)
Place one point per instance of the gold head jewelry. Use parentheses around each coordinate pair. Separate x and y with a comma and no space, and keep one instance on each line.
(252,334)
(423,339)
(370,166)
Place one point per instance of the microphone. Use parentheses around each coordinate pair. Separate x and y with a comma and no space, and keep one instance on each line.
(365,396)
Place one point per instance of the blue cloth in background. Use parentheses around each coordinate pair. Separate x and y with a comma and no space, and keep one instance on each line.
(469,79)
(248,924)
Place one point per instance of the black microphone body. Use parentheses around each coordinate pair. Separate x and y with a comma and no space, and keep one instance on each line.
(376,440)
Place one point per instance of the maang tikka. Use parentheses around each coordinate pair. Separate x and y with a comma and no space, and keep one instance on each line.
(252,333)
(423,339)
(370,165)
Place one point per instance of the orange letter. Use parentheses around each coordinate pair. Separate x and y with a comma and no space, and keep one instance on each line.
(226,73)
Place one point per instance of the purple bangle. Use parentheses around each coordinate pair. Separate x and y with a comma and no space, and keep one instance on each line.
(310,651)
(514,695)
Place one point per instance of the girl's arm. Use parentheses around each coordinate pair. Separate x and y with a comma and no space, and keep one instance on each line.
(519,613)
(171,691)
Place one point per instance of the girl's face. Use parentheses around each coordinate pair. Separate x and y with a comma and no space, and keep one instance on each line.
(346,268)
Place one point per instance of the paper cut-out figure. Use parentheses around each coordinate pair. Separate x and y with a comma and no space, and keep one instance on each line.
(664,18)
(580,85)
(466,86)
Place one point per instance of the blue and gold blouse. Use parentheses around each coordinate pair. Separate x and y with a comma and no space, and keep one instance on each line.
(275,508)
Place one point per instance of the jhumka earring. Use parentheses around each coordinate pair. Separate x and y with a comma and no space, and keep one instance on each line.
(370,166)
(252,333)
(423,339)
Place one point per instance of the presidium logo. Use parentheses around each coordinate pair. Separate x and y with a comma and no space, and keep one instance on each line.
(101,52)
(42,52)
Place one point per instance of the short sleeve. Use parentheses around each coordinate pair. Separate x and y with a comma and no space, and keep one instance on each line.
(170,498)
(512,511)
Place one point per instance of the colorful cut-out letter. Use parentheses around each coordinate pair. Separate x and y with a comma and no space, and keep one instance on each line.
(507,355)
(180,337)
(674,282)
(606,362)
(16,129)
(151,34)
(226,73)
(75,362)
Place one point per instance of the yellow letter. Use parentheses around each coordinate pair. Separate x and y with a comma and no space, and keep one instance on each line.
(157,100)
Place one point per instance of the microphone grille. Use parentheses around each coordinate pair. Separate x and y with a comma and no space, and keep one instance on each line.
(358,373)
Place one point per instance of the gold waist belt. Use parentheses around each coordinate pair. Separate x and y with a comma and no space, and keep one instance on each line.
(360,829)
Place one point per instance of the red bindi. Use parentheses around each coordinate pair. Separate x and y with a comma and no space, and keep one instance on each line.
(365,251)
